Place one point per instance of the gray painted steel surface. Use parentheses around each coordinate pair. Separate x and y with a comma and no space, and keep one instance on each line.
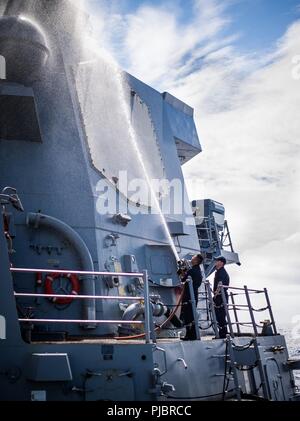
(56,176)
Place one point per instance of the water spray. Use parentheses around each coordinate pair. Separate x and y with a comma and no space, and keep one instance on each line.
(125,110)
(133,138)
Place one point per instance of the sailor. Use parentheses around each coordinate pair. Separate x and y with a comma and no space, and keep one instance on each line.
(221,278)
(186,310)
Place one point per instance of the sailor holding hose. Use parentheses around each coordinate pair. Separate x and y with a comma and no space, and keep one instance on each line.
(186,310)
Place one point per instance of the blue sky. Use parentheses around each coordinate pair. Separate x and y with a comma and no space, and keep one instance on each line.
(237,63)
(262,22)
(252,27)
(259,22)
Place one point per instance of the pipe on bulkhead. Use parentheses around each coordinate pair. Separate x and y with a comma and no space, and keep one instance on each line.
(37,220)
(138,309)
(133,311)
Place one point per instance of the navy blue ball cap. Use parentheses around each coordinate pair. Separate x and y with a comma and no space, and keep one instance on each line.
(221,259)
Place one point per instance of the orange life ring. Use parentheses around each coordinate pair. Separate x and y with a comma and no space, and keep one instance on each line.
(49,287)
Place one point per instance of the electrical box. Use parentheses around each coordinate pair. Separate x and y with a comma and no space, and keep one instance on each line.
(113,265)
(130,263)
(177,228)
(131,266)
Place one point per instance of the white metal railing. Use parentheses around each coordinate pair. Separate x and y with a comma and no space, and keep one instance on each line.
(144,274)
(78,272)
(235,307)
(96,297)
(137,322)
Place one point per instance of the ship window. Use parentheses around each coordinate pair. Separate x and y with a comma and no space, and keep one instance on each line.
(18,119)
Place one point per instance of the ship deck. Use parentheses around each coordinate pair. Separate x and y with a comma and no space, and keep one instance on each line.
(114,341)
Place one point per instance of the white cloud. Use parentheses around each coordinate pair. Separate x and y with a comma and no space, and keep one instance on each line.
(247,113)
(249,125)
(153,42)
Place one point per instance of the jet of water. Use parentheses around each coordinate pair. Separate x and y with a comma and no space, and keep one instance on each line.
(91,44)
(125,110)
(133,138)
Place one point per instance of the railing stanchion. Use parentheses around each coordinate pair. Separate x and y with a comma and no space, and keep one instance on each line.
(270,311)
(251,311)
(212,309)
(235,313)
(225,304)
(147,307)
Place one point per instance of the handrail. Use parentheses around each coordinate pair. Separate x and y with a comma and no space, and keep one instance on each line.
(235,312)
(236,307)
(248,323)
(147,322)
(76,272)
(96,297)
(136,322)
(243,289)
(245,307)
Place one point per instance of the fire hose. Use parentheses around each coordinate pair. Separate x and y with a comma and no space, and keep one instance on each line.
(158,328)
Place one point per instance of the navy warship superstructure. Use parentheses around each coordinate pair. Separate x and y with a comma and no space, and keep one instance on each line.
(88,295)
